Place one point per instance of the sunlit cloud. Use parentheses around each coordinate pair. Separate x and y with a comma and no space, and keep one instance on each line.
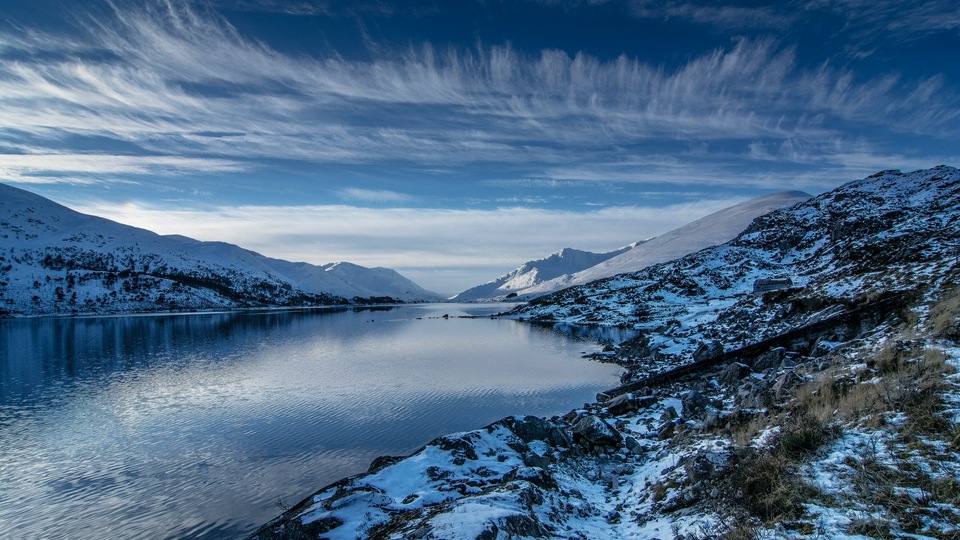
(481,244)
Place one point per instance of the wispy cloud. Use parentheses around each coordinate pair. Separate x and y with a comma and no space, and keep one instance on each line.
(169,76)
(372,195)
(84,168)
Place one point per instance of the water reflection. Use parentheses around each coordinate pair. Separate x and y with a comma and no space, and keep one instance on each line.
(194,425)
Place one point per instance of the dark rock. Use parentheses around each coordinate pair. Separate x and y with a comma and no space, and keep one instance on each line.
(708,350)
(669,414)
(623,404)
(534,428)
(770,359)
(535,475)
(733,374)
(667,431)
(594,430)
(382,462)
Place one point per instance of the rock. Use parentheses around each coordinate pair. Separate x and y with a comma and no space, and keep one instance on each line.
(784,383)
(708,350)
(535,475)
(669,414)
(694,403)
(733,374)
(534,428)
(623,404)
(770,359)
(667,431)
(597,432)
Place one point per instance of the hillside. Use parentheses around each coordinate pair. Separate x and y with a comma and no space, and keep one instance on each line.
(826,407)
(55,260)
(532,273)
(570,267)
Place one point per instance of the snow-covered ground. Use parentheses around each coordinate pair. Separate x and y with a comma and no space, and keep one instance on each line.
(55,260)
(851,432)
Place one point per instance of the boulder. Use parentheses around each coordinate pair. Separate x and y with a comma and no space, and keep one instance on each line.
(711,349)
(594,430)
(623,404)
(534,428)
(733,374)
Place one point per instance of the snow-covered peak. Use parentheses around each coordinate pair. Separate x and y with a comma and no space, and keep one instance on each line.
(569,267)
(529,274)
(56,260)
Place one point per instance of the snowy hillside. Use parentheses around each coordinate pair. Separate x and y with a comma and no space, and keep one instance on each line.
(532,273)
(55,260)
(570,267)
(891,231)
(753,407)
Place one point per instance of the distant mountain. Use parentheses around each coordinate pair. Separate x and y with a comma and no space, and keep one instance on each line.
(886,233)
(55,260)
(532,273)
(570,267)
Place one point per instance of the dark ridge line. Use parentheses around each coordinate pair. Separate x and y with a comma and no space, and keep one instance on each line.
(884,306)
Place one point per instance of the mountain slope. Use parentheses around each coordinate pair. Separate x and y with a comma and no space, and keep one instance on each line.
(56,260)
(889,232)
(827,407)
(531,273)
(708,231)
(569,267)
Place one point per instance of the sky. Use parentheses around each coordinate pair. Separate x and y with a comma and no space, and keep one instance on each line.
(452,141)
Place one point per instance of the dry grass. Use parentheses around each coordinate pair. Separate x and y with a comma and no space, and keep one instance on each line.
(944,319)
(764,481)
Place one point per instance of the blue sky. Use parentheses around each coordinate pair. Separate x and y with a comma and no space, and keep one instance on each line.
(454,140)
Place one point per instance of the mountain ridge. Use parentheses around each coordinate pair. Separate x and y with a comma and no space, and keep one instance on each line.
(826,406)
(527,281)
(59,261)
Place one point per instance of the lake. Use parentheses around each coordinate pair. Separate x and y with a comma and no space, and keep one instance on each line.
(207,425)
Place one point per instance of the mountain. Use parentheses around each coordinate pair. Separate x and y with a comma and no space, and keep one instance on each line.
(889,232)
(798,381)
(56,260)
(544,276)
(562,263)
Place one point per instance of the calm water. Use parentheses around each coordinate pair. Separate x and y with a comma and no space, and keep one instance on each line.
(201,425)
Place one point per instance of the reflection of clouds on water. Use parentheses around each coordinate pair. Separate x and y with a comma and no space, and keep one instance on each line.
(197,423)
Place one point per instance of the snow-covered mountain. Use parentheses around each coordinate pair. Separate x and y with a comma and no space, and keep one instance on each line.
(891,231)
(532,273)
(56,260)
(570,267)
(799,381)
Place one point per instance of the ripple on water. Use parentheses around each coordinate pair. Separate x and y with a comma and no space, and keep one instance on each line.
(196,426)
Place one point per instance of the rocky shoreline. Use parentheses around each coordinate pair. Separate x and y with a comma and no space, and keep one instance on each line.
(664,461)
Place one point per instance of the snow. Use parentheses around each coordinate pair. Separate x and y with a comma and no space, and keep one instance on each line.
(570,267)
(75,263)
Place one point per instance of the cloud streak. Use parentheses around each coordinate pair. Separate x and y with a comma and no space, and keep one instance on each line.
(169,76)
